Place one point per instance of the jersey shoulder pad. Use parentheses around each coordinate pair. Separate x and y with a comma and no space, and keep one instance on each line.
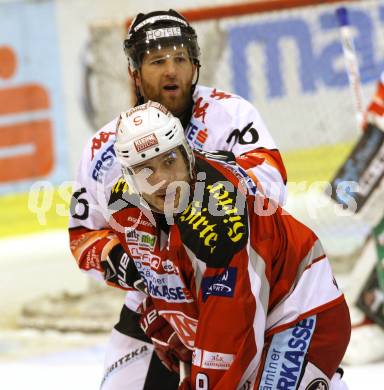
(228,109)
(220,98)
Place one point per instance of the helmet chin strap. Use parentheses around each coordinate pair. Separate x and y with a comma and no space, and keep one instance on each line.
(197,63)
(139,96)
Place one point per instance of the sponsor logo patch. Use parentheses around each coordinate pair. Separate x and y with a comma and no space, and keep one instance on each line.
(196,136)
(146,143)
(137,120)
(219,95)
(163,33)
(220,285)
(129,358)
(184,325)
(168,287)
(318,384)
(141,222)
(200,109)
(285,358)
(102,165)
(99,140)
(142,238)
(213,360)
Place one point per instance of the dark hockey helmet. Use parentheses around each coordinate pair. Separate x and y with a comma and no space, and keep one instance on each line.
(158,30)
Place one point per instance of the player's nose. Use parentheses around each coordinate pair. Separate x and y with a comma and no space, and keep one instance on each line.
(170,67)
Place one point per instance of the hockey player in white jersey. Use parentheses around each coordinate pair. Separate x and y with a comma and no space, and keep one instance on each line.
(163,57)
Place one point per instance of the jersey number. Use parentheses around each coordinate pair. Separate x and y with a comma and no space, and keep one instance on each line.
(75,201)
(240,135)
(202,382)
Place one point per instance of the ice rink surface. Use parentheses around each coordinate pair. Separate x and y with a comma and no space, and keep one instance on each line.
(49,360)
(75,361)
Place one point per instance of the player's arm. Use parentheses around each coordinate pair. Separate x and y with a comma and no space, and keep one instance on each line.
(93,243)
(99,253)
(303,294)
(264,166)
(257,153)
(283,278)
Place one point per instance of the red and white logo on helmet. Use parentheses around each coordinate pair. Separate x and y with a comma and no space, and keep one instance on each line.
(145,143)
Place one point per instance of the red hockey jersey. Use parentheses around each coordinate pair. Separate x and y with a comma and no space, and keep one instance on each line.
(233,268)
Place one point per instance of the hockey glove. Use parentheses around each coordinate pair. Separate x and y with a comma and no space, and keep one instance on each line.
(120,270)
(167,344)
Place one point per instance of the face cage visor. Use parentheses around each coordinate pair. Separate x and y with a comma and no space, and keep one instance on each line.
(156,39)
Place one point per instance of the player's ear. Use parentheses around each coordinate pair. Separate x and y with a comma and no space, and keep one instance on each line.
(134,75)
(195,72)
(194,69)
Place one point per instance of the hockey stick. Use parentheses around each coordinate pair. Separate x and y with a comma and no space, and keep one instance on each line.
(185,370)
(351,61)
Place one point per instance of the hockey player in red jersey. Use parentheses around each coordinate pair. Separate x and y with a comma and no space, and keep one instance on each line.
(164,70)
(243,284)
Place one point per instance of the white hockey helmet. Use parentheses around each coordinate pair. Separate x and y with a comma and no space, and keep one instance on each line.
(145,132)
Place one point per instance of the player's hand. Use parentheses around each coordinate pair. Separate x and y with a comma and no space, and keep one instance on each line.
(119,269)
(167,344)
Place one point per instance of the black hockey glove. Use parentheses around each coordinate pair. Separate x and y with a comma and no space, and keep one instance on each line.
(119,269)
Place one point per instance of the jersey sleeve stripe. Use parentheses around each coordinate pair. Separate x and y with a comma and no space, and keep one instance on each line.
(317,310)
(315,261)
(314,289)
(316,253)
(260,291)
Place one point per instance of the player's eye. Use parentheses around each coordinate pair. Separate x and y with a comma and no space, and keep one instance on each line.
(158,61)
(180,59)
(170,159)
